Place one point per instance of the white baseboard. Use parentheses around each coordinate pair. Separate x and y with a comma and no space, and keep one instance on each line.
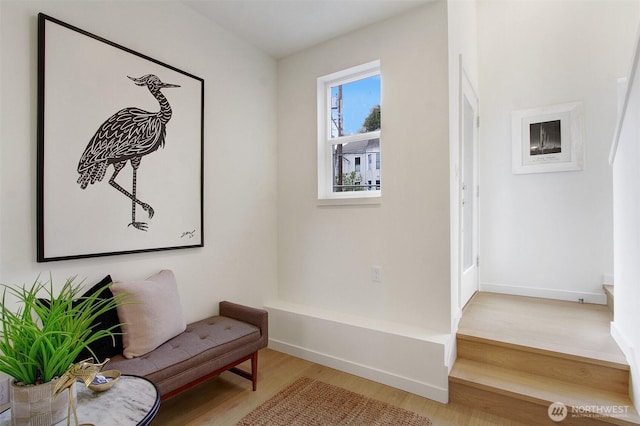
(545,293)
(405,383)
(622,341)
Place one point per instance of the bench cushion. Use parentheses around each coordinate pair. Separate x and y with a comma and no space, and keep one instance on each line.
(213,342)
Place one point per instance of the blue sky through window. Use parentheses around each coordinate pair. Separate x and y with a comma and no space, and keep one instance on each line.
(358,98)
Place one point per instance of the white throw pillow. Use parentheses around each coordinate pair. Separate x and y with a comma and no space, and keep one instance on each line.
(151,314)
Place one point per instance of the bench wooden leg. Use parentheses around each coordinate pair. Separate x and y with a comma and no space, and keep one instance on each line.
(253,376)
(254,370)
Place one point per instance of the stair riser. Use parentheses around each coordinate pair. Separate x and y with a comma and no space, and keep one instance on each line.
(568,370)
(608,291)
(512,407)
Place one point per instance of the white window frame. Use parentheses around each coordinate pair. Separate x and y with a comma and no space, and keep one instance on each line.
(326,142)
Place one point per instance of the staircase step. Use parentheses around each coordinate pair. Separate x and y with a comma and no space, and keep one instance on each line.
(601,374)
(608,291)
(522,395)
(553,325)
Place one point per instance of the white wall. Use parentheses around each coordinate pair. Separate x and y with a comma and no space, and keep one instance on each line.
(550,234)
(326,252)
(626,213)
(238,261)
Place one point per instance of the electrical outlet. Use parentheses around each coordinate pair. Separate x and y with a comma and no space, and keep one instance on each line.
(376,274)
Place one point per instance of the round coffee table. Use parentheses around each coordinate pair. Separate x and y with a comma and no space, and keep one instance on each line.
(131,401)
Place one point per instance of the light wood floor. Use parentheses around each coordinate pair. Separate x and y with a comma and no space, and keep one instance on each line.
(224,400)
(547,324)
(555,325)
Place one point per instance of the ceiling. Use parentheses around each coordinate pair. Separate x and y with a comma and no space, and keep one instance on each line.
(283,27)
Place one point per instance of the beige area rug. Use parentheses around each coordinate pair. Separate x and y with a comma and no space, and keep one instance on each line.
(310,402)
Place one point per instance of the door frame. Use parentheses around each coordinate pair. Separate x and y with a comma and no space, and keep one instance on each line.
(468,91)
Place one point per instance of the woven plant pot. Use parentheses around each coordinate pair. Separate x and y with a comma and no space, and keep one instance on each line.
(33,405)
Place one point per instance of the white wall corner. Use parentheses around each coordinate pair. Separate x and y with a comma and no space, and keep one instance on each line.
(622,90)
(607,279)
(624,93)
(632,358)
(451,352)
(455,319)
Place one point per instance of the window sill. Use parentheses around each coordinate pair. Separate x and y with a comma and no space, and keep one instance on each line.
(351,201)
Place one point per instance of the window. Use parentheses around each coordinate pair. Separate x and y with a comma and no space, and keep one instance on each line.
(349,125)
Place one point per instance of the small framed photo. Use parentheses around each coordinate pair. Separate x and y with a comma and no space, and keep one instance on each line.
(548,139)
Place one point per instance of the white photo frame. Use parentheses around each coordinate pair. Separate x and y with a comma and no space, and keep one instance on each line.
(548,139)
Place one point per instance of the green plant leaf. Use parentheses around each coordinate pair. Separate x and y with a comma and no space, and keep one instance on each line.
(40,340)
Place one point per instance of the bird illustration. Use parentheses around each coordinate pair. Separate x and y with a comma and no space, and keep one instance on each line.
(128,135)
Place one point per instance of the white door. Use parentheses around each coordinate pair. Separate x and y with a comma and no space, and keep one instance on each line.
(469,190)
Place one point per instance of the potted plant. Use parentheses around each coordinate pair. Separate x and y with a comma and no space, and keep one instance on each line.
(41,339)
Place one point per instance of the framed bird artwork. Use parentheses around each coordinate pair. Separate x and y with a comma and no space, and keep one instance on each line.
(120,149)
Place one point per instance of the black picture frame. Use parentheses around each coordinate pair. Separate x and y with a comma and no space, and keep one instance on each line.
(103,109)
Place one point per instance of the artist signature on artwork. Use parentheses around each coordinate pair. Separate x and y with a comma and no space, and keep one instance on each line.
(188,234)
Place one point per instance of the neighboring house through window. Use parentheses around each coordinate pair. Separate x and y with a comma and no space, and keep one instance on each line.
(349,112)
